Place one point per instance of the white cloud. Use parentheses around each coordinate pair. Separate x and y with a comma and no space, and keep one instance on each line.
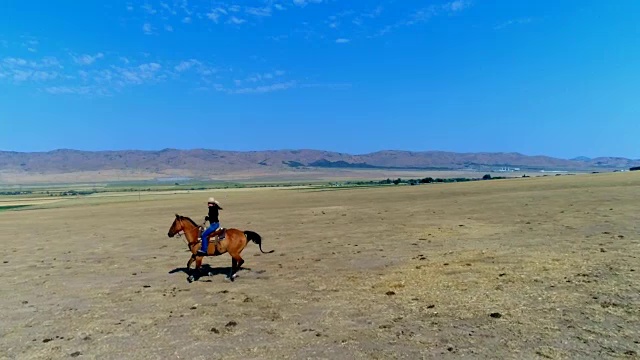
(31,44)
(40,76)
(342,41)
(423,15)
(87,59)
(279,7)
(186,65)
(374,13)
(186,20)
(44,75)
(458,5)
(236,20)
(508,23)
(76,90)
(168,28)
(168,8)
(305,2)
(146,27)
(326,86)
(149,9)
(260,12)
(213,16)
(105,74)
(264,88)
(20,70)
(260,77)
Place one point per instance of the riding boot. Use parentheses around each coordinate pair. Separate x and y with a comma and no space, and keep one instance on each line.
(203,249)
(216,241)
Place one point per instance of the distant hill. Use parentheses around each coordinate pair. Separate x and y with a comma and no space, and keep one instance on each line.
(581,158)
(205,163)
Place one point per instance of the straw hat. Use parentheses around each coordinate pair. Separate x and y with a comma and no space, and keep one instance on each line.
(213,201)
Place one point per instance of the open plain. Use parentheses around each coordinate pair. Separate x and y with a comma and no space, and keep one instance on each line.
(526,268)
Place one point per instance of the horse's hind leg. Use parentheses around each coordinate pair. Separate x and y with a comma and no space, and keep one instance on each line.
(236,263)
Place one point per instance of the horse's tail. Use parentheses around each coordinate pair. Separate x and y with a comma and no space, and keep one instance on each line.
(256,238)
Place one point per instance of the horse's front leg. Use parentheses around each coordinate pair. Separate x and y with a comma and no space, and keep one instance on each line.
(191,277)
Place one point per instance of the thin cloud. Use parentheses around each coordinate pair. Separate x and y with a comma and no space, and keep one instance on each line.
(104,74)
(511,22)
(31,44)
(236,20)
(458,5)
(149,9)
(87,59)
(186,65)
(423,15)
(66,90)
(259,12)
(19,70)
(327,86)
(306,2)
(342,41)
(147,28)
(213,16)
(260,77)
(264,88)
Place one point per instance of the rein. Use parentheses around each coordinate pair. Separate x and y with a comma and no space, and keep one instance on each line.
(185,234)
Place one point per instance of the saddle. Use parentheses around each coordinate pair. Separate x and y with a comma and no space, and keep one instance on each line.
(220,233)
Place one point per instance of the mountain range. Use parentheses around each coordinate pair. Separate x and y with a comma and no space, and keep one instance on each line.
(205,163)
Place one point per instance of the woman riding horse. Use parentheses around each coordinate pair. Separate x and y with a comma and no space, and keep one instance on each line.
(214,224)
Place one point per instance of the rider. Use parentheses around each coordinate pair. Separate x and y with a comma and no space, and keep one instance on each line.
(214,223)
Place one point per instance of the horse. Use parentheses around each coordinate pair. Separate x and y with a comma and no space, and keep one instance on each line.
(235,240)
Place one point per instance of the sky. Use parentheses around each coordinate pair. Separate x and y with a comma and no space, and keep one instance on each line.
(538,77)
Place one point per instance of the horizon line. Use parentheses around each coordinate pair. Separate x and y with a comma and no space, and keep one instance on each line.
(318,150)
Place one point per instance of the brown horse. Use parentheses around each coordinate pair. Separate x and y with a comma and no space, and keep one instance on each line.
(234,242)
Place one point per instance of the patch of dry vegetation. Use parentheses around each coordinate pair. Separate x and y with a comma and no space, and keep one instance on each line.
(521,269)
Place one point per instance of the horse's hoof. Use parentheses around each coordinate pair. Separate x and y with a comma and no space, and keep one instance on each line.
(190,279)
(209,274)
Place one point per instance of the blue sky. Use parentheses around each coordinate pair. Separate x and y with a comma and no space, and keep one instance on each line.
(548,77)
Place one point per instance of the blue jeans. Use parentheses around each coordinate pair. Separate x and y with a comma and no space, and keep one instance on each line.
(205,235)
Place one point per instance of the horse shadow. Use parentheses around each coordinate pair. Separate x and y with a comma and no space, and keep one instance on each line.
(206,270)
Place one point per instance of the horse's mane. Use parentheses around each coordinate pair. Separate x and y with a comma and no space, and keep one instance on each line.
(189,219)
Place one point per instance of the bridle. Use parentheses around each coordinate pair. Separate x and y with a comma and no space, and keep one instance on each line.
(186,241)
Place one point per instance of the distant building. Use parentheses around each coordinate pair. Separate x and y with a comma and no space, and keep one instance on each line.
(508,169)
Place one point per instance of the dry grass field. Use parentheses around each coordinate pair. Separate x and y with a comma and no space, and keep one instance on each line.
(532,268)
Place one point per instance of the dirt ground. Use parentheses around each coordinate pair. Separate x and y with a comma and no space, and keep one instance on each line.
(504,269)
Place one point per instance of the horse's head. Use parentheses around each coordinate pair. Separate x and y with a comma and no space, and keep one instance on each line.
(176,227)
